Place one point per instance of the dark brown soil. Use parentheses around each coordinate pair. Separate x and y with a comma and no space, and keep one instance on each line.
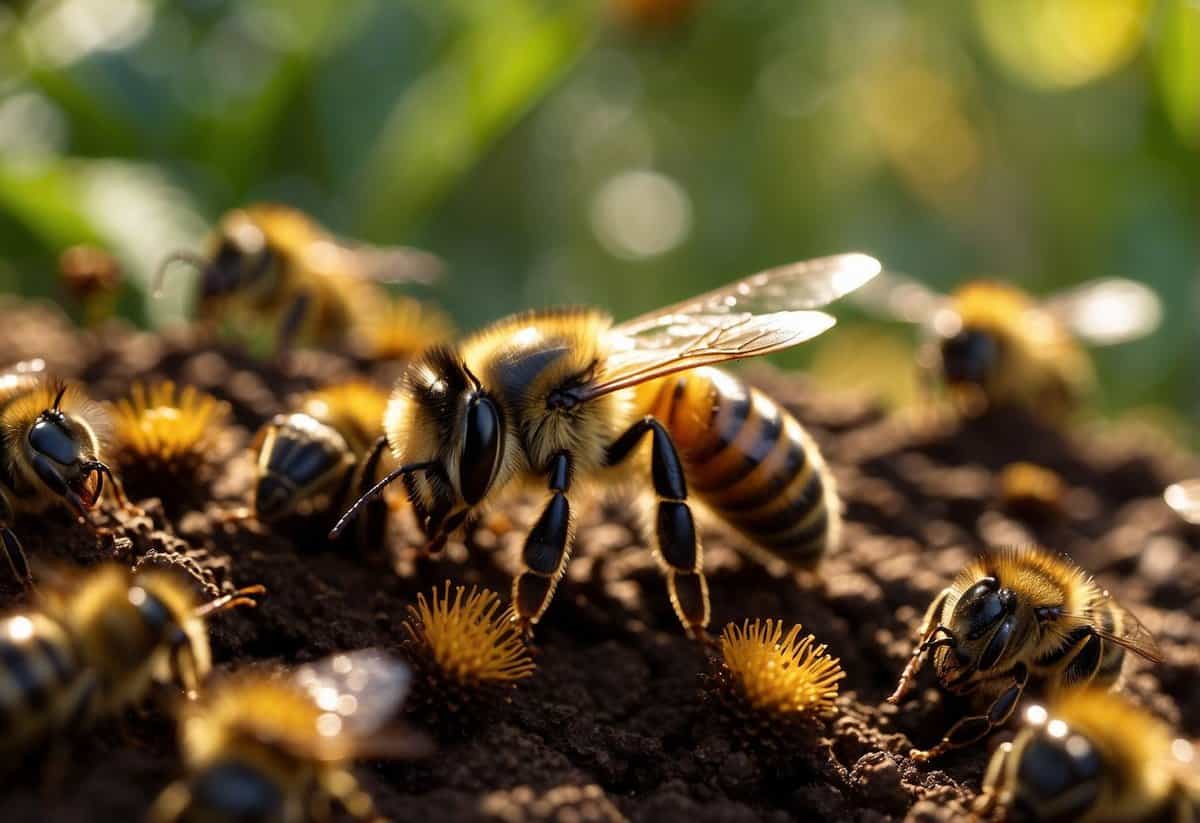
(615,721)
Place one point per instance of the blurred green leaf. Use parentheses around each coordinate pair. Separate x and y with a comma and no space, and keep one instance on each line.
(497,65)
(1177,59)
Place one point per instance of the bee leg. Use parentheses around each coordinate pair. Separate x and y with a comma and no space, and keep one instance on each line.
(677,544)
(991,796)
(930,626)
(343,787)
(976,727)
(171,805)
(15,555)
(546,550)
(290,326)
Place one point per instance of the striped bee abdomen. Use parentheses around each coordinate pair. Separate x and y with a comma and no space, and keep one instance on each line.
(41,680)
(751,462)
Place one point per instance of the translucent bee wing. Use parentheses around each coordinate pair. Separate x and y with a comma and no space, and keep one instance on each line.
(1132,635)
(766,312)
(900,297)
(1184,498)
(398,264)
(1105,312)
(358,692)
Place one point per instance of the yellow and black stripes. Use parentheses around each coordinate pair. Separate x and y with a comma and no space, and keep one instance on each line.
(43,686)
(751,462)
(1086,657)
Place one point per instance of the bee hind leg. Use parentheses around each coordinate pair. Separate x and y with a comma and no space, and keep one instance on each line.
(677,544)
(976,727)
(546,550)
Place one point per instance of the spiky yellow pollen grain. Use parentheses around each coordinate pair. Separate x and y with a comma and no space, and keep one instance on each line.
(166,426)
(469,636)
(785,676)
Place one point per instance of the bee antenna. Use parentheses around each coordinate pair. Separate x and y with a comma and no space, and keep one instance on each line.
(58,397)
(471,376)
(240,598)
(179,256)
(371,493)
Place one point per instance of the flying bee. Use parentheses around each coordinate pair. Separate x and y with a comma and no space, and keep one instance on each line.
(991,344)
(49,453)
(550,398)
(257,747)
(321,458)
(1093,757)
(272,263)
(96,644)
(1019,618)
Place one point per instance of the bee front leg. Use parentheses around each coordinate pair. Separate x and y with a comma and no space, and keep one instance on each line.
(677,544)
(546,550)
(930,627)
(976,727)
(13,551)
(992,796)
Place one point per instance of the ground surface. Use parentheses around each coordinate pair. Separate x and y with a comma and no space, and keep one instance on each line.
(615,717)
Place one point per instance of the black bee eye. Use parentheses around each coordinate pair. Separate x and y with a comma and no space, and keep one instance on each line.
(969,356)
(50,438)
(983,604)
(481,448)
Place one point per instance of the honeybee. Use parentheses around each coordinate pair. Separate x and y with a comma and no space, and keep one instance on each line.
(276,748)
(1094,757)
(992,344)
(1018,618)
(49,453)
(321,458)
(97,644)
(272,263)
(554,397)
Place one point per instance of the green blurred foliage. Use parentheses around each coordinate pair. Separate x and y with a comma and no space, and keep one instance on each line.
(625,152)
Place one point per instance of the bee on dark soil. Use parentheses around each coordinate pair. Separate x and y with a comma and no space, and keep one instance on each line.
(1019,618)
(272,264)
(1092,757)
(95,644)
(319,459)
(50,454)
(257,747)
(992,345)
(560,399)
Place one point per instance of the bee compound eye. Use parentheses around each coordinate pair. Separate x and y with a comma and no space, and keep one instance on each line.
(50,438)
(481,448)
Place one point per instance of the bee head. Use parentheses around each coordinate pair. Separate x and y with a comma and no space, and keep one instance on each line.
(232,790)
(969,356)
(62,452)
(1058,774)
(464,416)
(243,258)
(987,624)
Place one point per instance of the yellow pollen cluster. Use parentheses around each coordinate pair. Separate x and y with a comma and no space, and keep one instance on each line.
(469,636)
(165,427)
(782,676)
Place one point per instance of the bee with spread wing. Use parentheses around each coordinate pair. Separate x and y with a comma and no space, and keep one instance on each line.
(991,344)
(561,398)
